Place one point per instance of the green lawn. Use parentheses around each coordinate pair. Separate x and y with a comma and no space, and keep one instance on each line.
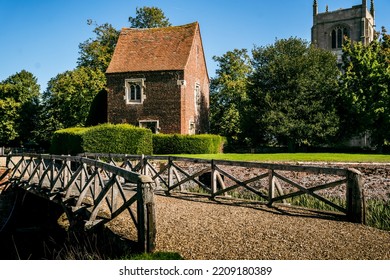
(295,157)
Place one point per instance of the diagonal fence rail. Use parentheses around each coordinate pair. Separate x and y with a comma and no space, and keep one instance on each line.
(91,191)
(265,182)
(99,187)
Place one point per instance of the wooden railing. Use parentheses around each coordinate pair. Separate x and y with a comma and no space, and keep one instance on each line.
(266,182)
(92,191)
(89,183)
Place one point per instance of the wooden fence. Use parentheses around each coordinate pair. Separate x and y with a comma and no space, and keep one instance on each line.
(266,182)
(88,183)
(92,191)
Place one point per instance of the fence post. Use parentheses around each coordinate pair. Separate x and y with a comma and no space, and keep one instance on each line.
(271,186)
(213,178)
(170,174)
(146,214)
(8,161)
(355,211)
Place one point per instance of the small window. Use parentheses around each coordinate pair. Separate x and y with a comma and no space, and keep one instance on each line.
(134,91)
(197,98)
(191,127)
(153,125)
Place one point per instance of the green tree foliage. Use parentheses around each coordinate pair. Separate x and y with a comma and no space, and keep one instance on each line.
(69,97)
(228,94)
(8,120)
(19,103)
(365,89)
(96,53)
(149,17)
(293,91)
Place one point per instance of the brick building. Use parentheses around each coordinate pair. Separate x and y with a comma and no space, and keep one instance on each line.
(158,79)
(330,27)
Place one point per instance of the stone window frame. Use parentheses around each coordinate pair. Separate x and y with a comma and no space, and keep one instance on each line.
(135,91)
(337,36)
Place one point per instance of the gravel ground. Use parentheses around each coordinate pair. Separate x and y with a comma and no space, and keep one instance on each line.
(199,229)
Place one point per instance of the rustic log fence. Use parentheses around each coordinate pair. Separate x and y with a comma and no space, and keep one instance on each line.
(91,191)
(265,182)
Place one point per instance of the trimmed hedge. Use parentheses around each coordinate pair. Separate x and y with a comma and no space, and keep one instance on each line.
(105,138)
(67,141)
(187,144)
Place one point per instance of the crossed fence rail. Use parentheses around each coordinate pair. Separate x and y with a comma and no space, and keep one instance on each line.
(267,182)
(91,191)
(87,183)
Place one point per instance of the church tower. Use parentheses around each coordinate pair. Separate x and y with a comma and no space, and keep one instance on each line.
(331,27)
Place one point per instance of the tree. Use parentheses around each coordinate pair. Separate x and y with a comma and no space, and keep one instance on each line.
(69,97)
(365,89)
(19,95)
(97,53)
(293,91)
(8,117)
(149,17)
(228,94)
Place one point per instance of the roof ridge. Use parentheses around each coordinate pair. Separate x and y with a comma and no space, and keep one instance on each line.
(165,27)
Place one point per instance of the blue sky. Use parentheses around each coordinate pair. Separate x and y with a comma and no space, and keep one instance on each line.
(42,36)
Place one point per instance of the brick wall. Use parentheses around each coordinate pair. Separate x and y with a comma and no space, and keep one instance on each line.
(173,105)
(196,73)
(162,101)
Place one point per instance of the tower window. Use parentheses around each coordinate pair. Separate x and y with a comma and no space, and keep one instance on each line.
(334,39)
(338,37)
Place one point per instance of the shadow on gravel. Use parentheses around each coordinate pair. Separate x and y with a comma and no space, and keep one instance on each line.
(277,208)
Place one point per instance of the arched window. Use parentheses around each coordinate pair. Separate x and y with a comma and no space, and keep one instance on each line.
(137,92)
(334,41)
(134,91)
(338,37)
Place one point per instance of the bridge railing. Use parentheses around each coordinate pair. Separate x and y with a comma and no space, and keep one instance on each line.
(95,182)
(91,191)
(339,189)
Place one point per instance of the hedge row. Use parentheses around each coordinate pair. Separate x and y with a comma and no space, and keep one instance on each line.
(106,138)
(67,141)
(187,144)
(128,139)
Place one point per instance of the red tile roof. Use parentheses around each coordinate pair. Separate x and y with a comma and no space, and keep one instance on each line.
(153,49)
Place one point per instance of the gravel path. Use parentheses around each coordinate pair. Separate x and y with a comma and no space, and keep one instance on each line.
(200,229)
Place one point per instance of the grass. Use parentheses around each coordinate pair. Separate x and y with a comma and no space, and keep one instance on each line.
(377,211)
(296,157)
(313,203)
(378,214)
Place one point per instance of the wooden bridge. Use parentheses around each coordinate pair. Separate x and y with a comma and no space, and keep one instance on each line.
(91,192)
(96,188)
